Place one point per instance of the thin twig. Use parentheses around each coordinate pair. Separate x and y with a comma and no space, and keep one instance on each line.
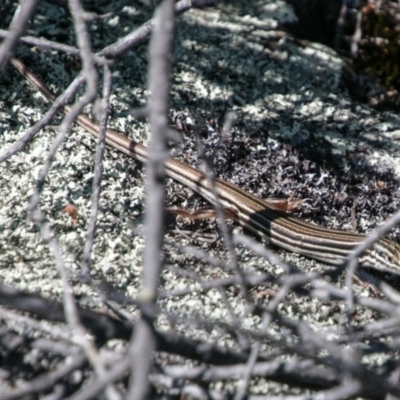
(160,51)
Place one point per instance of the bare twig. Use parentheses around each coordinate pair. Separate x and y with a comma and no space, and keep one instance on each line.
(17,28)
(98,170)
(160,51)
(47,118)
(352,261)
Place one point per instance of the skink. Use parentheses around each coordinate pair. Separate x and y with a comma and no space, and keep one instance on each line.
(327,245)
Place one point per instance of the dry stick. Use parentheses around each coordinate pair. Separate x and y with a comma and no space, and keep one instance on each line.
(267,369)
(300,373)
(98,172)
(160,54)
(142,33)
(18,25)
(47,44)
(387,331)
(261,250)
(205,285)
(90,74)
(30,325)
(199,254)
(95,388)
(69,305)
(70,309)
(290,283)
(57,105)
(47,380)
(352,260)
(267,319)
(247,374)
(328,292)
